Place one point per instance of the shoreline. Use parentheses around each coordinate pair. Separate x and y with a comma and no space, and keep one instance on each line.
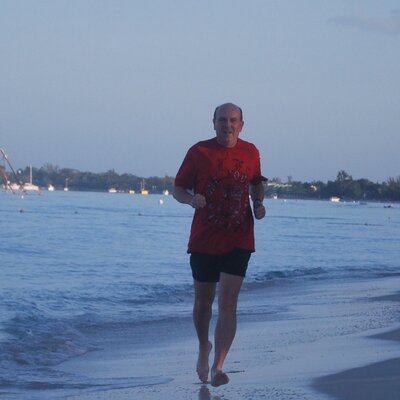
(277,356)
(268,196)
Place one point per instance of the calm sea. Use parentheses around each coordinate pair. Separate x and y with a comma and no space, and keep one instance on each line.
(73,264)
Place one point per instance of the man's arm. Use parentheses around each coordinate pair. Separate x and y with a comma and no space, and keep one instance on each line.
(257,196)
(185,197)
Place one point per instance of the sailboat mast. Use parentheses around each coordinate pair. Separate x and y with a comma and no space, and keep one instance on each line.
(11,167)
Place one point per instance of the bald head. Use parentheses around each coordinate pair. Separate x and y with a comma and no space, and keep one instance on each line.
(228,105)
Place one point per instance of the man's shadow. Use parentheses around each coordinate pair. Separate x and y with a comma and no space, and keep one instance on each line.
(204,394)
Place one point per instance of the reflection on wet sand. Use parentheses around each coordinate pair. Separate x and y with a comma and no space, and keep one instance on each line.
(204,394)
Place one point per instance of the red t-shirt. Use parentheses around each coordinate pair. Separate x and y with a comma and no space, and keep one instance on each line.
(223,176)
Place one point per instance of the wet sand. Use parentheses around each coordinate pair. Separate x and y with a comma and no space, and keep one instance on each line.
(339,327)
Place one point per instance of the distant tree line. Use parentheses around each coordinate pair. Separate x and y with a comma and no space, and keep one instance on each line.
(90,181)
(344,186)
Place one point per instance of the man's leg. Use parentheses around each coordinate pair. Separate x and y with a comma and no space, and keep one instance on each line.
(228,293)
(202,311)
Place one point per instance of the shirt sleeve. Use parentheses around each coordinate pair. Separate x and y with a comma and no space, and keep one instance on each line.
(257,177)
(186,175)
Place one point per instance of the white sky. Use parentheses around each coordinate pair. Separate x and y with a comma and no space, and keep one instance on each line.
(130,85)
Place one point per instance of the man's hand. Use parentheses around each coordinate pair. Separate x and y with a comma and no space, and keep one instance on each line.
(258,209)
(198,201)
(184,196)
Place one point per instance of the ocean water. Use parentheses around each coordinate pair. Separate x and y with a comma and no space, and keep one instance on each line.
(76,264)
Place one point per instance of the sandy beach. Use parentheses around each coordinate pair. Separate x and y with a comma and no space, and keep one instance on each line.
(376,381)
(339,341)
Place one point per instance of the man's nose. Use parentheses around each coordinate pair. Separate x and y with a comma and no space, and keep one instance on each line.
(228,123)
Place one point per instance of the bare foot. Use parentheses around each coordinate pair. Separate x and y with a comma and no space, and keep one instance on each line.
(218,378)
(202,362)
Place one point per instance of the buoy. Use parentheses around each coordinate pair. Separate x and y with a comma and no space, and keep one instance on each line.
(161,202)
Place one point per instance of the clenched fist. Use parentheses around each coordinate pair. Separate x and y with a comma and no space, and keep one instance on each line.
(198,201)
(258,209)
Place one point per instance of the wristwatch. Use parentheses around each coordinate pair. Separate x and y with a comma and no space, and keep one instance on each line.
(257,202)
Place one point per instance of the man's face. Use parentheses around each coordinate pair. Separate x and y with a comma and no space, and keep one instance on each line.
(228,124)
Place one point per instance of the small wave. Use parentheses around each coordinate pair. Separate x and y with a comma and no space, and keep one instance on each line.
(273,277)
(279,277)
(35,338)
(50,383)
(162,294)
(354,223)
(37,342)
(301,218)
(169,216)
(65,381)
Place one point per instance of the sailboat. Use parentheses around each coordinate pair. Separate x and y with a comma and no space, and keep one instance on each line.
(18,185)
(26,187)
(143,191)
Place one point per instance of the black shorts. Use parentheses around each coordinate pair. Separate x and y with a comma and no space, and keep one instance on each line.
(208,267)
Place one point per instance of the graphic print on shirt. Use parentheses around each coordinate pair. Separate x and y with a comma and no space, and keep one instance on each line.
(227,196)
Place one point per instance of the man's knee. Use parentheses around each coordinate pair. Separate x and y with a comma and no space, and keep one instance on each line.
(203,305)
(227,304)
